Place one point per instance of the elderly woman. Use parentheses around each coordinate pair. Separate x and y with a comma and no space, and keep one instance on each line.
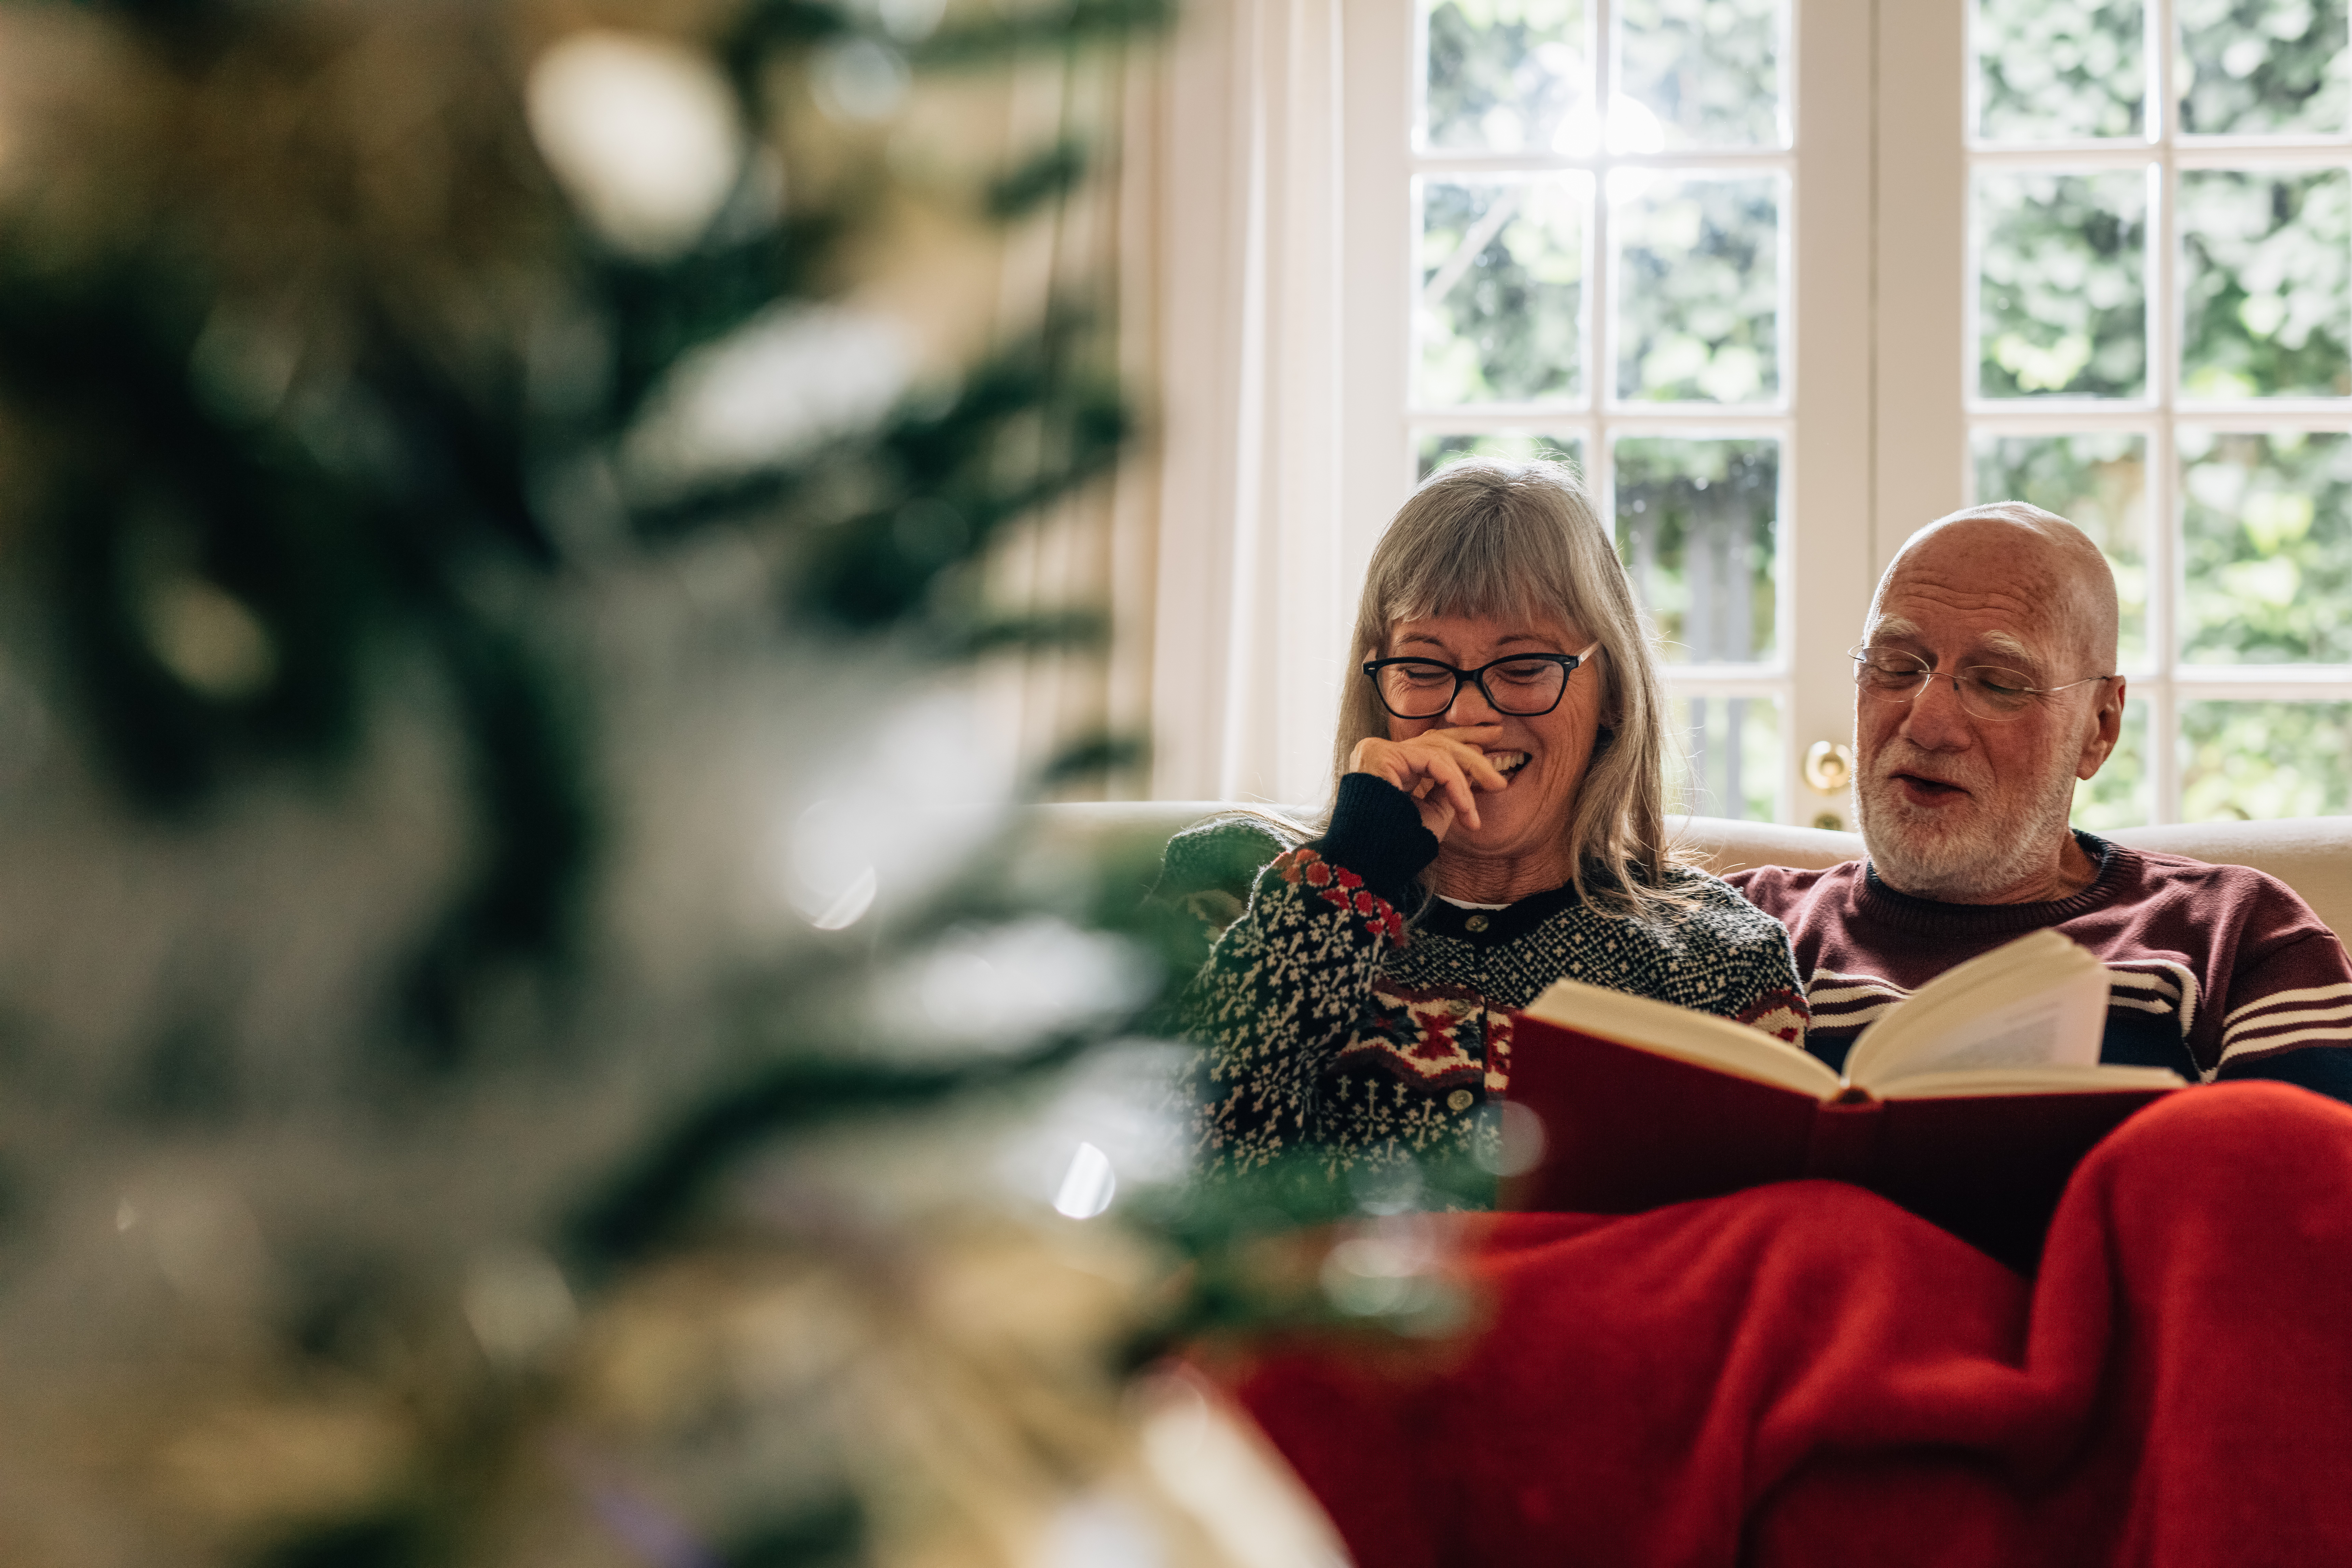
(1498,822)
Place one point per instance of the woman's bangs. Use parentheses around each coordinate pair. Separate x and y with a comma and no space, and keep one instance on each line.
(1474,578)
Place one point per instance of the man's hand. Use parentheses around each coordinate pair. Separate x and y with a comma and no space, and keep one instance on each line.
(1441,769)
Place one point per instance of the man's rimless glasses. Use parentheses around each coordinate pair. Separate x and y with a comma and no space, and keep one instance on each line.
(1985,691)
(1522,685)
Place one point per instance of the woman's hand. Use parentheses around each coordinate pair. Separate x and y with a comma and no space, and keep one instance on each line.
(1441,769)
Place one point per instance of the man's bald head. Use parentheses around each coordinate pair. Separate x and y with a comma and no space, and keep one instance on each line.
(2045,558)
(1963,798)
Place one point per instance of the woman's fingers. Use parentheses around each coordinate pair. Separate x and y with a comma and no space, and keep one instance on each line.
(1456,767)
(1468,743)
(1448,773)
(1442,770)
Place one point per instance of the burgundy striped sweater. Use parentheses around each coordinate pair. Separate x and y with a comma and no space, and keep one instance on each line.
(2217,971)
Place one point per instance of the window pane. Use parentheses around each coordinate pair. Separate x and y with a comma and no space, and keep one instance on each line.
(1699,73)
(2262,67)
(2266,524)
(1699,281)
(2120,794)
(2059,297)
(1502,290)
(1730,752)
(1503,74)
(1696,525)
(2099,483)
(2053,70)
(2264,259)
(1436,451)
(2257,760)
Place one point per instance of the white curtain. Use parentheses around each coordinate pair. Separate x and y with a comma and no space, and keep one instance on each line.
(1218,550)
(1251,601)
(1098,550)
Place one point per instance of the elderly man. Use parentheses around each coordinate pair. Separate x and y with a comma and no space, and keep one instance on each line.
(1984,689)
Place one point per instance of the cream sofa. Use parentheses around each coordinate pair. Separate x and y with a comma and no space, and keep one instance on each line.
(2311,855)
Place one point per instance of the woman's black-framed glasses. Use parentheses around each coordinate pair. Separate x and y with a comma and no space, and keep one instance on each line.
(1522,685)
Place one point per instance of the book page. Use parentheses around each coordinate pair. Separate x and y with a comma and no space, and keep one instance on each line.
(2039,1001)
(2030,1080)
(1701,1038)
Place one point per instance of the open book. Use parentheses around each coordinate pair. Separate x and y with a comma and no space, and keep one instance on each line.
(1968,1102)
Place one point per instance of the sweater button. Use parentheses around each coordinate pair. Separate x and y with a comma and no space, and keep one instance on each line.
(1476,923)
(1459,1099)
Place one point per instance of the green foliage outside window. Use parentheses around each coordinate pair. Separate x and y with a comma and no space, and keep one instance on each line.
(2059,69)
(2065,69)
(1698,313)
(2267,535)
(1709,69)
(1505,323)
(2260,760)
(2061,302)
(2261,67)
(1503,73)
(2267,281)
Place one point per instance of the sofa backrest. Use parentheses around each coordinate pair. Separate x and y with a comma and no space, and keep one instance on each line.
(2312,854)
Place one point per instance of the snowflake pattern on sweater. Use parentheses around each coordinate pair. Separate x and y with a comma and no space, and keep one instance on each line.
(1327,1024)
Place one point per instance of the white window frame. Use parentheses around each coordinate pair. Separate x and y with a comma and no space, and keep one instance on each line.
(1823,418)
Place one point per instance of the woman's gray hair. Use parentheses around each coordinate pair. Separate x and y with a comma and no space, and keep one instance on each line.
(1486,538)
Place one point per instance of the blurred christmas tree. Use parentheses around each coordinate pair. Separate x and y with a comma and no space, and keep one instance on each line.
(496,843)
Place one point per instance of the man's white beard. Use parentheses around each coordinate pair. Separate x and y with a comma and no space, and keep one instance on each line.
(1928,855)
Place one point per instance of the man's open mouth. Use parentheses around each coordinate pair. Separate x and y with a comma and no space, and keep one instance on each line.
(1925,788)
(1508,763)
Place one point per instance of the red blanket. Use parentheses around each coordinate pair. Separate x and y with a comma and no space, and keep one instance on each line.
(1803,1375)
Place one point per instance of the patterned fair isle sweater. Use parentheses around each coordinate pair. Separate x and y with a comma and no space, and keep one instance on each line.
(2214,971)
(1330,1022)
